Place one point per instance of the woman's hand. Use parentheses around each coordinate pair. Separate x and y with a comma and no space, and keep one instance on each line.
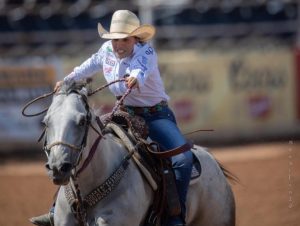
(58,85)
(132,82)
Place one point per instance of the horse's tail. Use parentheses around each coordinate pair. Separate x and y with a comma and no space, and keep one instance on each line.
(228,174)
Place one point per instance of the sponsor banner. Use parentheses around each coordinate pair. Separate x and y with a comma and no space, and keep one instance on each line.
(246,92)
(18,85)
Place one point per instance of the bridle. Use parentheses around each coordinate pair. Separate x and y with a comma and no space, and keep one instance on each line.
(77,148)
(113,180)
(47,147)
(72,190)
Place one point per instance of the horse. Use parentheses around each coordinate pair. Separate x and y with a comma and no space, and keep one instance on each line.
(72,133)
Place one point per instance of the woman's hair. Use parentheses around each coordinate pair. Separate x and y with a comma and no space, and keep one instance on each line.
(139,40)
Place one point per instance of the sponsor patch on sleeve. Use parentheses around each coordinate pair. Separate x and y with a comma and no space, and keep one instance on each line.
(140,63)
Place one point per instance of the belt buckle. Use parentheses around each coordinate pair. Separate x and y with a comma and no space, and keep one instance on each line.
(130,111)
(159,107)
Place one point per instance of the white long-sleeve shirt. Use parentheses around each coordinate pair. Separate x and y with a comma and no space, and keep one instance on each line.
(142,64)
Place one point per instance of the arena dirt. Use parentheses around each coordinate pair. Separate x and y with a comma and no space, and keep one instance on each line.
(268,193)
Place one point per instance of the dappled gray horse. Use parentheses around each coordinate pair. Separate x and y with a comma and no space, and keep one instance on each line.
(125,193)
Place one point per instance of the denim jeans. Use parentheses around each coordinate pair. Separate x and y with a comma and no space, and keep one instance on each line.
(163,129)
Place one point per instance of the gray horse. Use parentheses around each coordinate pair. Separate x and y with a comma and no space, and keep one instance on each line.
(126,195)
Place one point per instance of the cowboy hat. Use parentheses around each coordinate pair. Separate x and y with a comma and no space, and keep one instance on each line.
(125,23)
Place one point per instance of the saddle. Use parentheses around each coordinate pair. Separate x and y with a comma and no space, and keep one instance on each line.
(134,125)
(157,169)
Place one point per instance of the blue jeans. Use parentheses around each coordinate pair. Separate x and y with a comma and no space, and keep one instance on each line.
(163,129)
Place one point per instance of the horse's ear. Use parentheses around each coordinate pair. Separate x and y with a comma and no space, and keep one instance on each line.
(84,91)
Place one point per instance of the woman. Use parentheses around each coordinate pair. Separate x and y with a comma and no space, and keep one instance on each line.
(128,53)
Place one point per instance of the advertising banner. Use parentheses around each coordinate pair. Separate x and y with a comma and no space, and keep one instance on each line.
(237,93)
(18,85)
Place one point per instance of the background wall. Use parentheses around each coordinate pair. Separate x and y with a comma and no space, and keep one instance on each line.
(230,66)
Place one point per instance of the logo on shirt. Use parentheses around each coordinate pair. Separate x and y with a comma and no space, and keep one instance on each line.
(109,49)
(110,61)
(141,63)
(107,70)
(149,51)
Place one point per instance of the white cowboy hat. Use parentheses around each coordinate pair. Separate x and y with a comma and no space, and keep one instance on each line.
(125,23)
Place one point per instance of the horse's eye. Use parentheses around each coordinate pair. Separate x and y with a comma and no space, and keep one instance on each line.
(81,122)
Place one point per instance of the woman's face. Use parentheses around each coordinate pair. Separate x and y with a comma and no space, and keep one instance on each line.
(123,47)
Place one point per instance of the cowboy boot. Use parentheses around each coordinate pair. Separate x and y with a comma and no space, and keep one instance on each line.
(43,220)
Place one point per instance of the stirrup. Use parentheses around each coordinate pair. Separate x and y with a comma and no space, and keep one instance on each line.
(43,220)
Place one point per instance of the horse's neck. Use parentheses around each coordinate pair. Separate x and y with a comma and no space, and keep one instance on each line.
(106,159)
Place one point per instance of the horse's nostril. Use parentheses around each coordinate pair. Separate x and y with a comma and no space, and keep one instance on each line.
(47,166)
(66,167)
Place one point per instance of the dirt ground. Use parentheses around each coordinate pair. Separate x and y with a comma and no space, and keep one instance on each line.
(268,193)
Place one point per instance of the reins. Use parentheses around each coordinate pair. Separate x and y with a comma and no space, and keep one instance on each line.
(105,86)
(198,130)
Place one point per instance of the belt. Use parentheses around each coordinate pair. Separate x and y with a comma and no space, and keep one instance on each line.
(141,110)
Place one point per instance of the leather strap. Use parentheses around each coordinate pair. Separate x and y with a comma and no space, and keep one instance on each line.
(175,151)
(100,124)
(90,156)
(93,148)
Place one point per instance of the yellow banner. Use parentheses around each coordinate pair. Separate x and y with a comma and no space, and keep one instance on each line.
(235,91)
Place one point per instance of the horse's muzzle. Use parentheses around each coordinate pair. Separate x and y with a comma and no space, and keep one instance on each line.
(60,175)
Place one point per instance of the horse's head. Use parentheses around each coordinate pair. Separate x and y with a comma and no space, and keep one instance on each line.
(67,122)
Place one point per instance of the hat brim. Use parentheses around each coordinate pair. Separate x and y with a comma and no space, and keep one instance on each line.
(144,33)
